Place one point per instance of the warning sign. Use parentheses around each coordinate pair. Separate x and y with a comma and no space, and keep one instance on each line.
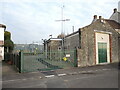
(64,58)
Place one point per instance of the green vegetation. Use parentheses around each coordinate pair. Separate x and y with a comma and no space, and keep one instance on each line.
(8,44)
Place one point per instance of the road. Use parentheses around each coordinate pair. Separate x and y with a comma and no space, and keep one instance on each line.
(104,76)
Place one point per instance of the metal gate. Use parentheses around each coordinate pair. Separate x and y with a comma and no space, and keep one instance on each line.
(31,62)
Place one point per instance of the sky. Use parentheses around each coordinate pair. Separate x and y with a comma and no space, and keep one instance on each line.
(30,21)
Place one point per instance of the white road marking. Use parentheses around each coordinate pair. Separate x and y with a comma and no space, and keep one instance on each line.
(62,74)
(49,76)
(90,71)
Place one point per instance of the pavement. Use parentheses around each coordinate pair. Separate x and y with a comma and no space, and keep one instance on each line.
(57,78)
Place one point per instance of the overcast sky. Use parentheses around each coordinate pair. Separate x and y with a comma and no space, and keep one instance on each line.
(33,20)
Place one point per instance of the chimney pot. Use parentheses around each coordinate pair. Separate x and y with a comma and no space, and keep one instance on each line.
(115,10)
(100,17)
(95,16)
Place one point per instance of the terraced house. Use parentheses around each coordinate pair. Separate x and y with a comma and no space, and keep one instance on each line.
(2,29)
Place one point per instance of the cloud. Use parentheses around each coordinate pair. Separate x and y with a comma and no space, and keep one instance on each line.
(30,20)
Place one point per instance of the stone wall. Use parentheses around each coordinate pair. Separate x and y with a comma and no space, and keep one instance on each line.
(72,41)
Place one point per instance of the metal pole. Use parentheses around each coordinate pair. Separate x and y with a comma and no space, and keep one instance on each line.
(62,19)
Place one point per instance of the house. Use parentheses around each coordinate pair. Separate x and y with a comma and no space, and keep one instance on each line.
(97,43)
(52,46)
(116,18)
(2,29)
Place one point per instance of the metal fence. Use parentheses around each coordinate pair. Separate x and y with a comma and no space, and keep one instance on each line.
(14,58)
(31,62)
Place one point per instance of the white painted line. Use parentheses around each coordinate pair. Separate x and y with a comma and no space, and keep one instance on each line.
(49,76)
(62,74)
(90,71)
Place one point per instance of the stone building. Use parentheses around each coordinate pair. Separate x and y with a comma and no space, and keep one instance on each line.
(2,29)
(51,46)
(97,43)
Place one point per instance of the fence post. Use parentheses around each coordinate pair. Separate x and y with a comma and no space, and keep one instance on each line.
(75,58)
(21,62)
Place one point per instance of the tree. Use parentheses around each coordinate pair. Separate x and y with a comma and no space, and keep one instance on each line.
(8,44)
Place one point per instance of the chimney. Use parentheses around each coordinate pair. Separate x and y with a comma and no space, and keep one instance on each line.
(115,10)
(100,17)
(95,17)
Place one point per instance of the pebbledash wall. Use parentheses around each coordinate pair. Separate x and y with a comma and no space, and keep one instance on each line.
(2,28)
(97,32)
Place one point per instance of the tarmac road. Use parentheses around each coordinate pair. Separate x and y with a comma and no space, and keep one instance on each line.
(104,76)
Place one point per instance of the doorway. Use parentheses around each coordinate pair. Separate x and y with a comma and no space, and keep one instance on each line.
(102,52)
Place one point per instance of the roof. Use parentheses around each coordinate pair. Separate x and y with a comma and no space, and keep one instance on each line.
(53,39)
(1,25)
(115,16)
(72,33)
(113,24)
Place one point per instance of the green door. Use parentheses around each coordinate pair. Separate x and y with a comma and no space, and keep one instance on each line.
(102,52)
